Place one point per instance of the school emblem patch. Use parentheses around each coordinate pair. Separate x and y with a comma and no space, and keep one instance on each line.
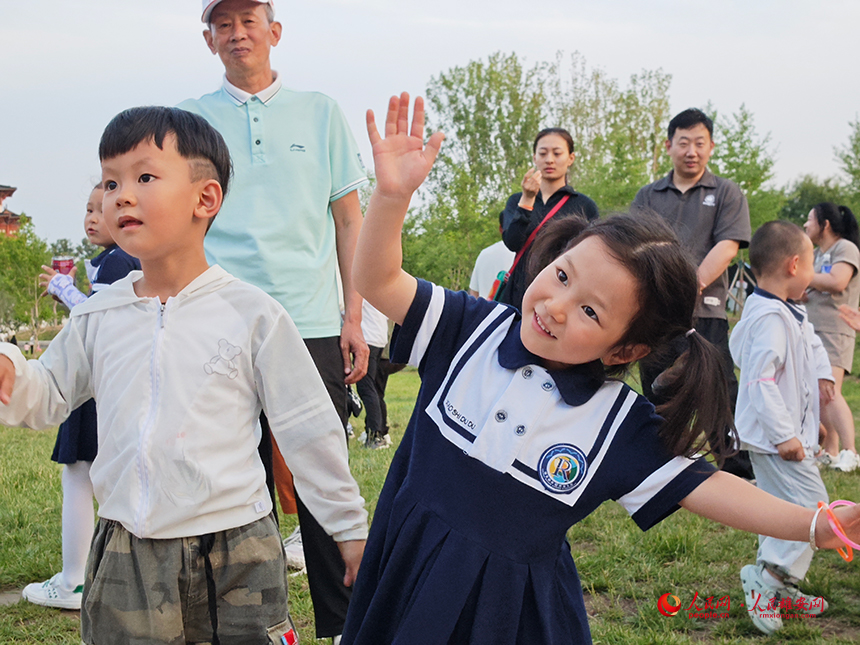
(562,468)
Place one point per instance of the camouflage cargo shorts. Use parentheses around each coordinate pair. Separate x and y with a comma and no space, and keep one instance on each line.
(145,591)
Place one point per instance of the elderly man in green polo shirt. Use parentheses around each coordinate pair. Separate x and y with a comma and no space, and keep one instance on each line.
(711,217)
(289,224)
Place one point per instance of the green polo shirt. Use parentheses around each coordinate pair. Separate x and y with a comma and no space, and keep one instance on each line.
(713,210)
(293,154)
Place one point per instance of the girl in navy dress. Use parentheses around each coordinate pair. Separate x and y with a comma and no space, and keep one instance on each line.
(77,439)
(518,433)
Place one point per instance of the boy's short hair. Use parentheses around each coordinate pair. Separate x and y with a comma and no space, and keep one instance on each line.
(196,140)
(773,243)
(690,118)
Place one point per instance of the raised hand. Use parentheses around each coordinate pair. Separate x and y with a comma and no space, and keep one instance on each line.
(401,160)
(531,184)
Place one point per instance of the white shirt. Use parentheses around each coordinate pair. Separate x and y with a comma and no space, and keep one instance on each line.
(179,389)
(490,262)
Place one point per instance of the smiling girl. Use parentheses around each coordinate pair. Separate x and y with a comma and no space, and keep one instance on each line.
(518,433)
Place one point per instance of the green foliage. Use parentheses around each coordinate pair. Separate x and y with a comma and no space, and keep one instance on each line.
(489,111)
(745,157)
(21,259)
(807,191)
(85,250)
(849,158)
(63,246)
(619,132)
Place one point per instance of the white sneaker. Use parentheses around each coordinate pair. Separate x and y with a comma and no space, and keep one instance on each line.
(847,461)
(762,600)
(803,603)
(294,552)
(51,594)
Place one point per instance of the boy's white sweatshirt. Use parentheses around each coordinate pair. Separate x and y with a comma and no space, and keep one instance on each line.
(179,390)
(781,360)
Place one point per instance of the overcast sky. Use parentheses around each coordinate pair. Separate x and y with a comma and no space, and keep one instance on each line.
(67,68)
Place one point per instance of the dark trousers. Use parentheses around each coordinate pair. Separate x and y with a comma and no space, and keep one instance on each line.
(322,557)
(371,389)
(715,330)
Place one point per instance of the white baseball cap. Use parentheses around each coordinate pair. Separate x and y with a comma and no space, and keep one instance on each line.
(209,5)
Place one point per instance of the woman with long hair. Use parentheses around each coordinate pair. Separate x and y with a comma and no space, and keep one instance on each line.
(833,229)
(546,194)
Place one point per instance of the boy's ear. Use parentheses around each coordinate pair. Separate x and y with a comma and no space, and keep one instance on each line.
(791,265)
(626,354)
(209,199)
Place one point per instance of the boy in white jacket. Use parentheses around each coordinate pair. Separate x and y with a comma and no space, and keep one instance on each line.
(785,374)
(181,358)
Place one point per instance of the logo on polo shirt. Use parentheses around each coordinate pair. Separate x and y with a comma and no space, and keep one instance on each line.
(562,468)
(297,148)
(709,200)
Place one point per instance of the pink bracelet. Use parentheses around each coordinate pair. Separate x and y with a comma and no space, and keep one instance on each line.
(837,527)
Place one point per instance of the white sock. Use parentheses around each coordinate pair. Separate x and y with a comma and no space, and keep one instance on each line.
(78,522)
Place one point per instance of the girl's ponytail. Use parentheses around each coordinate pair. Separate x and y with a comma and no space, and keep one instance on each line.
(849,225)
(696,408)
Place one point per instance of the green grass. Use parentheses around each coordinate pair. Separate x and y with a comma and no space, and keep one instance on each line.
(624,571)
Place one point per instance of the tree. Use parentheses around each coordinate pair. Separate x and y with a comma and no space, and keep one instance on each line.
(490,111)
(21,259)
(619,132)
(806,192)
(849,158)
(746,158)
(63,246)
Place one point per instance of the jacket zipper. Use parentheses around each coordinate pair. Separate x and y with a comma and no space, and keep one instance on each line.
(142,470)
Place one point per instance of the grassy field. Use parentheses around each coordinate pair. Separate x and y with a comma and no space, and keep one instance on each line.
(623,570)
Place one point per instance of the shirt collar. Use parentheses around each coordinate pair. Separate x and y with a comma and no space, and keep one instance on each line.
(790,304)
(708,180)
(240,96)
(576,384)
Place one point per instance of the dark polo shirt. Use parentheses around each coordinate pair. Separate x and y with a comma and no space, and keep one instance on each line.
(713,210)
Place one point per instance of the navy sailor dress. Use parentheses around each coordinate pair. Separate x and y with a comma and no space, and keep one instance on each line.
(499,459)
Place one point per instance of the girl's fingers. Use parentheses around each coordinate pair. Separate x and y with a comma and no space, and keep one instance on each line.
(434,143)
(391,117)
(418,119)
(372,132)
(403,114)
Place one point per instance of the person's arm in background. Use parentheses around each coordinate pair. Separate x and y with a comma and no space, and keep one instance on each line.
(347,224)
(836,281)
(716,262)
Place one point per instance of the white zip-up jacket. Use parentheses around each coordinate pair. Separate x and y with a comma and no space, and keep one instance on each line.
(781,361)
(179,389)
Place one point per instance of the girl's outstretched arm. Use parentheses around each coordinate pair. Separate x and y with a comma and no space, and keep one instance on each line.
(734,502)
(401,162)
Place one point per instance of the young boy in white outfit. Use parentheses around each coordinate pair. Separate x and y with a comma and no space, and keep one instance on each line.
(181,359)
(785,374)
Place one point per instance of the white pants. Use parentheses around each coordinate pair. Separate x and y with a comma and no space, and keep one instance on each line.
(798,482)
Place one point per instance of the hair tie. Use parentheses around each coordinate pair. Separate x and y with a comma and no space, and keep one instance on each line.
(690,332)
